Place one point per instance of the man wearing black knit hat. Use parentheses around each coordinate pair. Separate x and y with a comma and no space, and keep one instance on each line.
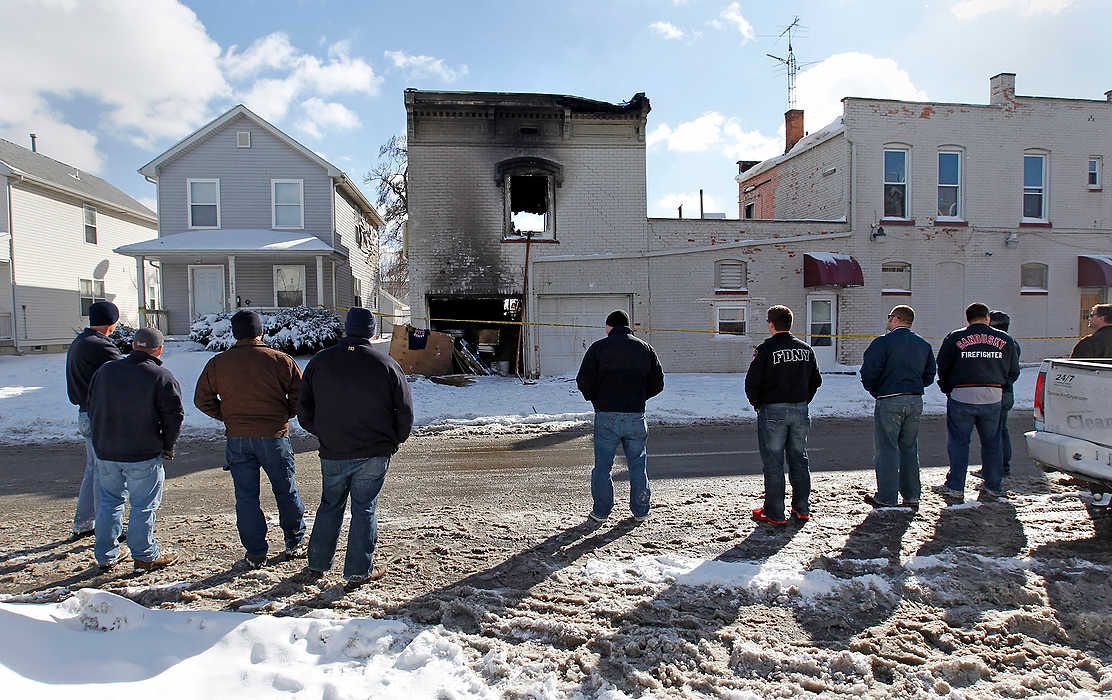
(88,351)
(618,375)
(253,389)
(357,402)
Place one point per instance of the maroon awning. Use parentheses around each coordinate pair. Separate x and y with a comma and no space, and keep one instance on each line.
(1094,270)
(831,270)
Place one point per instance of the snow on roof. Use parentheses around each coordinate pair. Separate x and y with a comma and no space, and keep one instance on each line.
(230,241)
(806,143)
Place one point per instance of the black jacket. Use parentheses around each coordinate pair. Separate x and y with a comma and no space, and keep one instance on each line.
(620,373)
(356,401)
(898,362)
(978,355)
(134,408)
(1097,344)
(88,351)
(783,370)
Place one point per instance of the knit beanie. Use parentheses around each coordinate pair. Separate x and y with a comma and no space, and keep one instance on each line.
(360,323)
(246,324)
(617,319)
(103,313)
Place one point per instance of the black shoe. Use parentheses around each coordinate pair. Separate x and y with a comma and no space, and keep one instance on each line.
(75,535)
(255,562)
(871,500)
(980,473)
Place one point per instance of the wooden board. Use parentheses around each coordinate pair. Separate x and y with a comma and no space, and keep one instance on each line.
(434,360)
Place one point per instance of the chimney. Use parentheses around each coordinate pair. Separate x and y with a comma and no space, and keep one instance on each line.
(793,128)
(1108,95)
(1001,89)
(743,165)
(33,148)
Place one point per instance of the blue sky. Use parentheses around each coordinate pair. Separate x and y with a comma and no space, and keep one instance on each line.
(111,84)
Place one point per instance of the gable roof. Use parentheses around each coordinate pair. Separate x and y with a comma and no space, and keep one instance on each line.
(150,170)
(54,174)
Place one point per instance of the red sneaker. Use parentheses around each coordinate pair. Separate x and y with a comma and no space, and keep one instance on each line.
(801,517)
(759,516)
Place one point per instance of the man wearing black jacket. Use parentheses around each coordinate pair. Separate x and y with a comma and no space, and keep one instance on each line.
(782,379)
(357,402)
(136,415)
(975,365)
(618,375)
(1097,344)
(88,351)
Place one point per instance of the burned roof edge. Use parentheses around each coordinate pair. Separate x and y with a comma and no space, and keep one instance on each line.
(428,98)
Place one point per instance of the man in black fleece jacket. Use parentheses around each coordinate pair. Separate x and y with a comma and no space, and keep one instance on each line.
(357,402)
(782,379)
(618,374)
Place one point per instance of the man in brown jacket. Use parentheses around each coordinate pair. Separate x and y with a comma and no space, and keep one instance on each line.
(1097,344)
(253,390)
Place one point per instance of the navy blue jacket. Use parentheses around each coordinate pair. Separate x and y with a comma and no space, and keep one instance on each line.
(135,409)
(620,373)
(783,370)
(898,362)
(88,351)
(977,355)
(356,401)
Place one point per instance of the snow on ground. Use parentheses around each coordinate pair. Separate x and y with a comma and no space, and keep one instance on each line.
(34,406)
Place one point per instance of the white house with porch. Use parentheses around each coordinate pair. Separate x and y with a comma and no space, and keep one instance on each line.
(250,218)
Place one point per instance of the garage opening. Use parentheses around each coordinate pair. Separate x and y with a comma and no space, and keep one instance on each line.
(471,320)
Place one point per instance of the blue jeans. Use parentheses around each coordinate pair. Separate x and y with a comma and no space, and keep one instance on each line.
(961,418)
(275,456)
(87,500)
(363,479)
(141,482)
(896,440)
(632,433)
(782,432)
(1005,443)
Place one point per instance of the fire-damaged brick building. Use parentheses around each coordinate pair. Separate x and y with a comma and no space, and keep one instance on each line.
(532,207)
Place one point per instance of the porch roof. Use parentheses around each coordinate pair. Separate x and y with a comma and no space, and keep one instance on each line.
(231,242)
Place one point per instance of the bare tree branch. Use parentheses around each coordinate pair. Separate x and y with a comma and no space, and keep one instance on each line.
(390,178)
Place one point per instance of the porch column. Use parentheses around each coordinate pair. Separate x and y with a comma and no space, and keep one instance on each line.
(233,305)
(320,280)
(141,283)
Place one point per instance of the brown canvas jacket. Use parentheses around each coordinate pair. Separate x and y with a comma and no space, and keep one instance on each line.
(251,388)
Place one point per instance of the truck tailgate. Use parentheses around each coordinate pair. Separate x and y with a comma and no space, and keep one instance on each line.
(1078,401)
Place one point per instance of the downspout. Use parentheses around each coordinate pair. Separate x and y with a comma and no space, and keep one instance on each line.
(11,268)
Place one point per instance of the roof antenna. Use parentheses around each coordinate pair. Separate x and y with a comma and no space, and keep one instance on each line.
(790,62)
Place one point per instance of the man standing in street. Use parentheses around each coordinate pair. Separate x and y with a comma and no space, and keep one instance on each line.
(1097,344)
(1002,322)
(253,389)
(896,368)
(782,379)
(88,351)
(357,402)
(975,364)
(136,415)
(618,375)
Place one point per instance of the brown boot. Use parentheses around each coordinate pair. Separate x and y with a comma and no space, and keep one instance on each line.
(165,559)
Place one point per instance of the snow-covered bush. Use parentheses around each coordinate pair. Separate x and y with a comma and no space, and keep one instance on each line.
(122,337)
(298,330)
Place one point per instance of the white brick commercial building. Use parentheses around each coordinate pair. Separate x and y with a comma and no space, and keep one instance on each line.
(951,203)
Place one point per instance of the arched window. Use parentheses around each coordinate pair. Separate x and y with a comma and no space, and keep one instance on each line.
(730,276)
(895,277)
(1033,278)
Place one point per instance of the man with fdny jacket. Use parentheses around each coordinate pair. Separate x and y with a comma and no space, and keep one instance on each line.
(357,402)
(618,374)
(975,365)
(782,379)
(896,367)
(136,415)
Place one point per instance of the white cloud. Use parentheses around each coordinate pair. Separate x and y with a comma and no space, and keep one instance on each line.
(417,67)
(272,51)
(668,205)
(326,115)
(970,9)
(667,30)
(715,131)
(732,17)
(820,89)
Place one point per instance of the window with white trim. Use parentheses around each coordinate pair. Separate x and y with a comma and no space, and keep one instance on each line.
(1034,187)
(895,183)
(1033,277)
(289,285)
(730,319)
(949,185)
(287,199)
(357,291)
(90,214)
(729,276)
(89,292)
(750,209)
(1094,175)
(243,139)
(895,277)
(203,203)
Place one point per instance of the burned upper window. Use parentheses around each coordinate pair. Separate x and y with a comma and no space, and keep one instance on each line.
(529,187)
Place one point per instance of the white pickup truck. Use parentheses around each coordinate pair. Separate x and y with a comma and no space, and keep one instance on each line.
(1073,424)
